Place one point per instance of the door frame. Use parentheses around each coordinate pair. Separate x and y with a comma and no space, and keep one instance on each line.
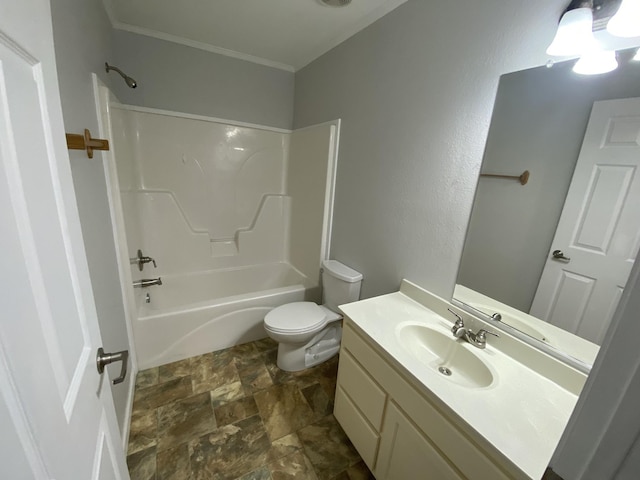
(102,97)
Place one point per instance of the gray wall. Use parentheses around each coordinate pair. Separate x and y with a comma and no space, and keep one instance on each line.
(82,36)
(415,92)
(185,79)
(538,124)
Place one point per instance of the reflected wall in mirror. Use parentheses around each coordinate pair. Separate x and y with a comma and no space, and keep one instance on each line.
(579,136)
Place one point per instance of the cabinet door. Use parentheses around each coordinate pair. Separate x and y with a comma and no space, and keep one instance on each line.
(407,454)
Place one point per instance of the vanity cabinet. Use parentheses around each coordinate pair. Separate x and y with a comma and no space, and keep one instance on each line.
(399,430)
(405,450)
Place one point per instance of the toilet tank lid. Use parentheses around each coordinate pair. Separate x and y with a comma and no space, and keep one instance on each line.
(341,271)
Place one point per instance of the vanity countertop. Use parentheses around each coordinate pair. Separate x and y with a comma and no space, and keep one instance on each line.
(522,413)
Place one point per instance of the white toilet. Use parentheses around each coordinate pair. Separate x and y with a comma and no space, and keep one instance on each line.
(308,333)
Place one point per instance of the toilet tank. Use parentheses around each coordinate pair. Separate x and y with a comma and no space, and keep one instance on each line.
(340,284)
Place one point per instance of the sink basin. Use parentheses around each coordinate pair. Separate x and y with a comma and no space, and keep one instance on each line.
(445,355)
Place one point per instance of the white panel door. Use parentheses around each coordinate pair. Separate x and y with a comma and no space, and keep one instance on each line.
(599,228)
(56,411)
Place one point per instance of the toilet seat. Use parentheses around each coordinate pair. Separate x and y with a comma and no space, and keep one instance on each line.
(296,317)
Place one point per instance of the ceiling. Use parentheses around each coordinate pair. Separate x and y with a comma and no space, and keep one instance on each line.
(286,34)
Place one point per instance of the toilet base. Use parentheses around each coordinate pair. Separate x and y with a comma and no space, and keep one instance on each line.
(323,346)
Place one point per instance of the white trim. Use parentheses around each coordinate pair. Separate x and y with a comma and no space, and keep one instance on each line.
(204,118)
(115,210)
(328,122)
(330,191)
(202,46)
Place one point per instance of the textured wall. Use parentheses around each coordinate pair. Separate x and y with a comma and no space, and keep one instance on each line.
(415,92)
(82,36)
(185,79)
(538,124)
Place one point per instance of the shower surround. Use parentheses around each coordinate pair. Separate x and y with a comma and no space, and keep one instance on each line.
(237,217)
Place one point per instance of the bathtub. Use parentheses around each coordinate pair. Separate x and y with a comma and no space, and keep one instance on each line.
(195,313)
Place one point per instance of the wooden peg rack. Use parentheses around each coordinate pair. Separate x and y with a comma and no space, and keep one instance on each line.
(85,142)
(523,179)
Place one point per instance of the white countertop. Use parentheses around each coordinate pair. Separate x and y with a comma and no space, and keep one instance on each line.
(522,413)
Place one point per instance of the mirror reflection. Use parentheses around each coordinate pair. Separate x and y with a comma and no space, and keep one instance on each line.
(552,256)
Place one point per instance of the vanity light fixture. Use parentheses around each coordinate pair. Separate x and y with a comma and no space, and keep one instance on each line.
(595,62)
(574,35)
(626,22)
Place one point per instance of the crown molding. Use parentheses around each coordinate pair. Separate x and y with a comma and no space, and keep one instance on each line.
(117,25)
(318,52)
(202,46)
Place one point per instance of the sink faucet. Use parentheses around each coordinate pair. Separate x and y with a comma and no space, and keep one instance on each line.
(476,339)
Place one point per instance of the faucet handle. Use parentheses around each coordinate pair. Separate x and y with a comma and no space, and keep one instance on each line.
(459,321)
(482,334)
(458,329)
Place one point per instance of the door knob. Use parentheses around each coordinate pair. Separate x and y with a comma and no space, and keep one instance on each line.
(103,359)
(558,255)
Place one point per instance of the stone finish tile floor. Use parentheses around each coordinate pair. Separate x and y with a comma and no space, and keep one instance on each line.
(234,415)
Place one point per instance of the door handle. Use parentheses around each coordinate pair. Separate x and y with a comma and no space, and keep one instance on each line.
(558,255)
(103,359)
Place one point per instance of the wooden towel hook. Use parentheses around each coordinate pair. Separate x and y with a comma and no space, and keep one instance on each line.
(85,142)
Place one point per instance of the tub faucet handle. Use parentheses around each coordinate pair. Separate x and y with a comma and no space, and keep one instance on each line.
(141,259)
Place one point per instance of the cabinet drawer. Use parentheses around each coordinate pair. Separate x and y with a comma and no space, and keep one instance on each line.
(362,389)
(363,437)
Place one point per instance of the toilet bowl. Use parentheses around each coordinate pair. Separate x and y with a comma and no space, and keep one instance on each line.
(308,333)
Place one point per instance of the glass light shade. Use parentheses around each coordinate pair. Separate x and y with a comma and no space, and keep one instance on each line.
(636,57)
(574,33)
(626,22)
(596,62)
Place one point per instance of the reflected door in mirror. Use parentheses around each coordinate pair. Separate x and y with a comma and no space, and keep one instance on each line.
(599,228)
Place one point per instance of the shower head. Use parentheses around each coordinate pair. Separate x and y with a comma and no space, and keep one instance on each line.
(131,83)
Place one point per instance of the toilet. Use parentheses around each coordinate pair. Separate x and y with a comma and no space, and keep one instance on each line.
(308,333)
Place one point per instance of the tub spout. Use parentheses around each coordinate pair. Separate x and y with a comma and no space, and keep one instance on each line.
(147,282)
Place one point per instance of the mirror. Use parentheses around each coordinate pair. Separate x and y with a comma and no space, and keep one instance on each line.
(581,199)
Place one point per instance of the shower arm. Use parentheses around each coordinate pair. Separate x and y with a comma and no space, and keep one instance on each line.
(131,83)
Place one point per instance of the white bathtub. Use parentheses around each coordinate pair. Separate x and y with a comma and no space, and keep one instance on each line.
(196,313)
